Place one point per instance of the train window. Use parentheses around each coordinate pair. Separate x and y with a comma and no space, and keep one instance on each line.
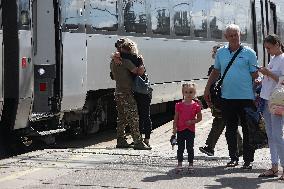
(103,15)
(199,18)
(215,19)
(229,14)
(24,15)
(242,17)
(134,12)
(182,17)
(72,14)
(160,17)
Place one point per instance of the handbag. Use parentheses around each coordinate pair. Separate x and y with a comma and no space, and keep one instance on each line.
(276,99)
(216,87)
(141,84)
(256,128)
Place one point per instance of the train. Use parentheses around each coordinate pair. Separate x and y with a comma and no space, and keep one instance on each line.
(55,55)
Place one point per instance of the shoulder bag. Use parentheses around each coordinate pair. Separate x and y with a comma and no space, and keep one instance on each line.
(215,88)
(141,84)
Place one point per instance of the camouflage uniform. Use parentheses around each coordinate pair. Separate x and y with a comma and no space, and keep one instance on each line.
(125,104)
(127,116)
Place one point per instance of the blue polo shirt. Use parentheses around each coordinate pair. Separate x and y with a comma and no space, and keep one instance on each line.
(238,83)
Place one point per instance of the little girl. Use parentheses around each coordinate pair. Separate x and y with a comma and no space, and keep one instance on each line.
(187,114)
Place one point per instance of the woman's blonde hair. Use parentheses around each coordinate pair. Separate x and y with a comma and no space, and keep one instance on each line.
(130,46)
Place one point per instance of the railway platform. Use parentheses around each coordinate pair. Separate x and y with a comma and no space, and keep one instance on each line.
(96,163)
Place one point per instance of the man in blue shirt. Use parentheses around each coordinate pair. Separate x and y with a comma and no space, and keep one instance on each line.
(237,92)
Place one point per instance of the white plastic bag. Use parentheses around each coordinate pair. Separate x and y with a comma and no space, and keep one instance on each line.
(276,100)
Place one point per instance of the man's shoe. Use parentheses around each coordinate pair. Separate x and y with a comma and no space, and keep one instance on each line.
(240,153)
(124,146)
(122,143)
(207,150)
(247,166)
(232,163)
(141,146)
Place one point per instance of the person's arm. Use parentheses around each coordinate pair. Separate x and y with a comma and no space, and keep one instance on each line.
(140,70)
(197,120)
(130,66)
(254,75)
(141,67)
(212,78)
(116,58)
(112,74)
(268,73)
(253,63)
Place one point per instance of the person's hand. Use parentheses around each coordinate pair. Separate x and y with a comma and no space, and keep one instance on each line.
(116,58)
(140,70)
(189,122)
(264,71)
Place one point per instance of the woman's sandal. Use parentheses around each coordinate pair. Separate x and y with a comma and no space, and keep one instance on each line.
(281,178)
(269,173)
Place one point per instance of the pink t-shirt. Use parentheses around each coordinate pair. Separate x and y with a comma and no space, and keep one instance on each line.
(186,112)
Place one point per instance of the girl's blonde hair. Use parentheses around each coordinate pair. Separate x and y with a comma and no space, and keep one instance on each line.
(189,85)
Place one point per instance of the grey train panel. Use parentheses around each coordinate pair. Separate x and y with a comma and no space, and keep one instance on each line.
(25,65)
(44,31)
(74,71)
(74,51)
(23,113)
(44,54)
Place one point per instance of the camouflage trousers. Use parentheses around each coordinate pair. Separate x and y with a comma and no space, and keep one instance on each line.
(127,115)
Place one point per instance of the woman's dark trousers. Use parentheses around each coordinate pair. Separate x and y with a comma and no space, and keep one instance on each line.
(143,104)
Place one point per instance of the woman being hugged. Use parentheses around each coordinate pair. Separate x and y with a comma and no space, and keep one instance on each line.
(273,123)
(187,114)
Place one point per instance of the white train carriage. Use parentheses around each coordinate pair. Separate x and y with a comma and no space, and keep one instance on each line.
(69,43)
(175,38)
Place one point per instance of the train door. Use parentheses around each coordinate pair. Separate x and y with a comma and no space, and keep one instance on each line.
(74,54)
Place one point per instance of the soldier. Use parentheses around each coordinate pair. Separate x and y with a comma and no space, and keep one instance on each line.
(125,102)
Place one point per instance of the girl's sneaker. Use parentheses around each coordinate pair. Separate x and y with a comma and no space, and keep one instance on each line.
(178,169)
(190,168)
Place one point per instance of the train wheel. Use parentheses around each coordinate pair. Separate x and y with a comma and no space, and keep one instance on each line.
(91,124)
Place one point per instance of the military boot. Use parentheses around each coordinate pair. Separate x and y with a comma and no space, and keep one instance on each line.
(141,146)
(122,143)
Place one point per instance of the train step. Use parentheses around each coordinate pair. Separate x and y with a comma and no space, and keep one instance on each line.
(50,132)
